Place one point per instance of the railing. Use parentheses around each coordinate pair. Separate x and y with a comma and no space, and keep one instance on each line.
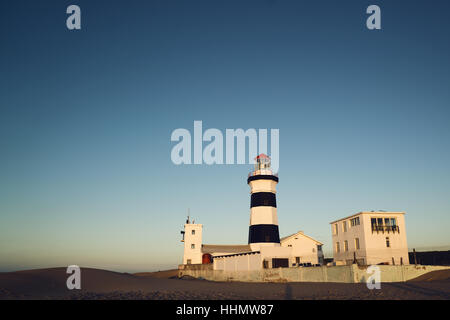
(385,228)
(262,172)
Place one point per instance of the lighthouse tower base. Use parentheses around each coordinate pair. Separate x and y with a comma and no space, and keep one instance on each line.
(257,246)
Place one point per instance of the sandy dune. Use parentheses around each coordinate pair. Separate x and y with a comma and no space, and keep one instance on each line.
(101,284)
(433,276)
(167,274)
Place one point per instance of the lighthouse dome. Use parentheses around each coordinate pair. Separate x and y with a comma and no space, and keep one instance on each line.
(262,165)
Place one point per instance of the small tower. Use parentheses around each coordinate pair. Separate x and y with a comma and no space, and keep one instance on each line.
(263,229)
(192,238)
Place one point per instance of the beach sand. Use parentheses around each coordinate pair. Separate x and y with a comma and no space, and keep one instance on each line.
(102,284)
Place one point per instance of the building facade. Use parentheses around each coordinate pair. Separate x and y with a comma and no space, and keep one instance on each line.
(263,230)
(375,237)
(192,238)
(265,249)
(305,250)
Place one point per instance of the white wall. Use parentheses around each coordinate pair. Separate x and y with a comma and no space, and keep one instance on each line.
(373,249)
(350,235)
(245,262)
(193,254)
(303,247)
(263,215)
(343,274)
(268,253)
(263,186)
(375,242)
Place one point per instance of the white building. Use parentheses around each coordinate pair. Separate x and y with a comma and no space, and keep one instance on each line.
(375,237)
(193,247)
(265,249)
(305,250)
(263,230)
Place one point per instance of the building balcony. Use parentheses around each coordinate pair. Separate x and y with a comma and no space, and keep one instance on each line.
(262,172)
(384,229)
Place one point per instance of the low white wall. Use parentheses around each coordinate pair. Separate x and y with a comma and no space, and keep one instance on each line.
(396,273)
(243,262)
(343,274)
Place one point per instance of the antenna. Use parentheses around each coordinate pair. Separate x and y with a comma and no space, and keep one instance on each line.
(189,213)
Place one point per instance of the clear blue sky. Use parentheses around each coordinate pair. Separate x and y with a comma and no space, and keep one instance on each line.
(86,118)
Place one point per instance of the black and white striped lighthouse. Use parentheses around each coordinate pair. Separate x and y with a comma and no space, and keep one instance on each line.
(263,206)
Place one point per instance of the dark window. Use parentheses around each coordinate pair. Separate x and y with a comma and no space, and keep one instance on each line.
(280,263)
(388,243)
(355,222)
(384,225)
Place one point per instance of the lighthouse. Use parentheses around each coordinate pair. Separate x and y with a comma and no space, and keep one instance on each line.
(263,229)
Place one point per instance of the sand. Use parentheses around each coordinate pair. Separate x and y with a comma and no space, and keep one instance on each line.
(166,274)
(102,284)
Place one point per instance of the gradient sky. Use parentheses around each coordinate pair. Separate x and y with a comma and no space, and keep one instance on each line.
(86,117)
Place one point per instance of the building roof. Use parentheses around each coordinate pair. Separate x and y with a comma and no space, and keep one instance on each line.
(237,254)
(262,156)
(300,233)
(368,212)
(212,248)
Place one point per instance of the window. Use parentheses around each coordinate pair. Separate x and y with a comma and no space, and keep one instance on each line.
(357,244)
(344,226)
(345,245)
(280,263)
(338,248)
(193,232)
(393,222)
(314,249)
(336,228)
(189,261)
(384,225)
(297,259)
(374,222)
(377,223)
(290,245)
(388,242)
(319,247)
(355,222)
(192,246)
